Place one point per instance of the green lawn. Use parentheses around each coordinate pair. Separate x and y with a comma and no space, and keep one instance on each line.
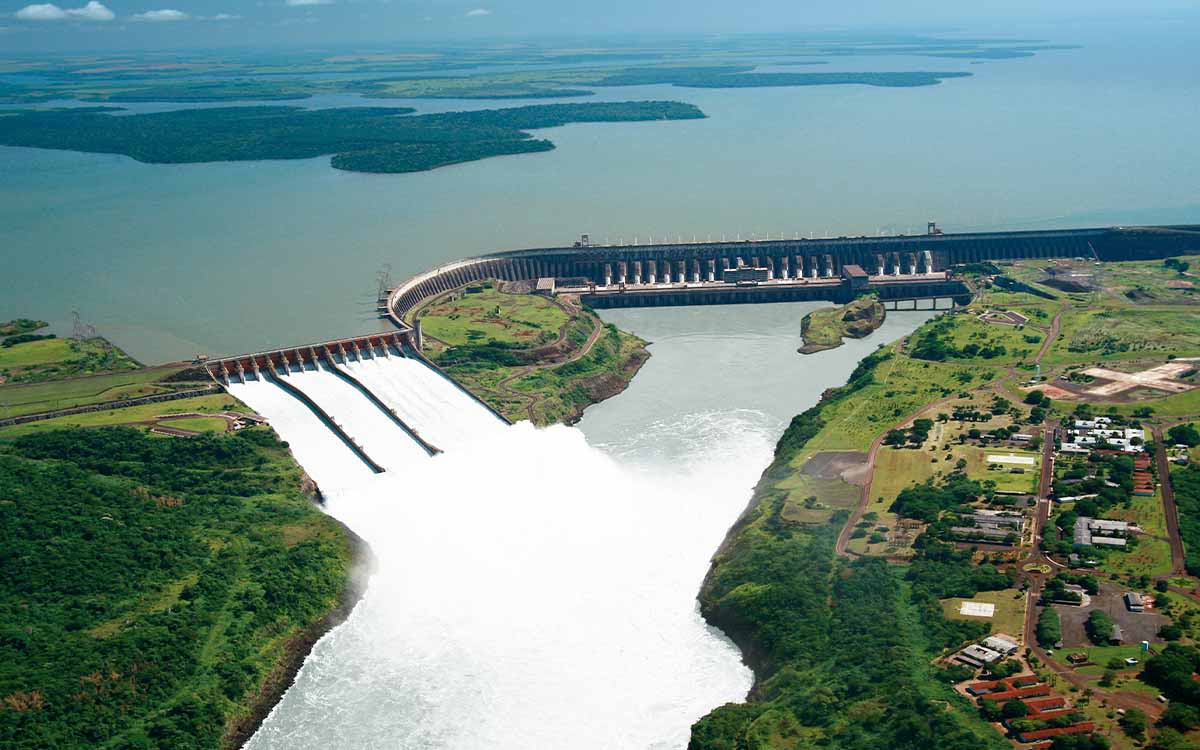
(53,359)
(902,386)
(16,400)
(1008,618)
(525,320)
(215,403)
(1007,480)
(37,353)
(197,424)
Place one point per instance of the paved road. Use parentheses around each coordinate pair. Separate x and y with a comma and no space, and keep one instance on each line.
(1169,508)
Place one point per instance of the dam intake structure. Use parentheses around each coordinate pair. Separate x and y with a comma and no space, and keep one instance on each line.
(897,268)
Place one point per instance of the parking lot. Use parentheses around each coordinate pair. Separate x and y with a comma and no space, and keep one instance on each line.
(1137,626)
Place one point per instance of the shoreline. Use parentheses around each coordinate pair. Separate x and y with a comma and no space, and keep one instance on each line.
(297,649)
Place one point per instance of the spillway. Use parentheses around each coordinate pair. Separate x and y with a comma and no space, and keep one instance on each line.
(324,456)
(381,438)
(523,594)
(433,406)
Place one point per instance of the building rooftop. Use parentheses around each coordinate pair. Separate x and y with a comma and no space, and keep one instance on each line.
(1001,643)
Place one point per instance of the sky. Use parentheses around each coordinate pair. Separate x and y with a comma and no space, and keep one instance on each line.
(86,25)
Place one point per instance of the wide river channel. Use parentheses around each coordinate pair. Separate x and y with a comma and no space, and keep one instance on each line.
(537,588)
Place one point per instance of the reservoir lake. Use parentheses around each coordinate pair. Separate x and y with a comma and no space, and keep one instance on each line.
(175,260)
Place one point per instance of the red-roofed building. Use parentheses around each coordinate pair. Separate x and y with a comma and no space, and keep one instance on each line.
(1035,691)
(1046,704)
(1048,715)
(1041,734)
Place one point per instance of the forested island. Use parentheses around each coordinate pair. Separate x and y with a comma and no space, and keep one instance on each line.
(366,139)
(825,328)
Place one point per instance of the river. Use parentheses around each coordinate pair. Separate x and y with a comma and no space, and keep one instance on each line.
(174,260)
(537,588)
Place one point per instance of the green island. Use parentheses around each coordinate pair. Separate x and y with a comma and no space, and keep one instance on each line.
(825,328)
(361,139)
(529,356)
(548,84)
(21,326)
(899,524)
(422,72)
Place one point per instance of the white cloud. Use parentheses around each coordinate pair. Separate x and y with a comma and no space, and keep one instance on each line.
(309,2)
(479,12)
(45,12)
(93,11)
(225,17)
(165,14)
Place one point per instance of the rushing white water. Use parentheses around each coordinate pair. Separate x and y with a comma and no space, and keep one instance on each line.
(530,592)
(446,417)
(312,443)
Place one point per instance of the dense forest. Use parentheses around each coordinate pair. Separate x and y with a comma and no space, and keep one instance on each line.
(150,588)
(368,139)
(1186,482)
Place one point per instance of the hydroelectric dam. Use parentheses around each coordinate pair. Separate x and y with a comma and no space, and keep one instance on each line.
(382,404)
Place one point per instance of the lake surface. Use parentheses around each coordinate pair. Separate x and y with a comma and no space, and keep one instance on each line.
(537,588)
(174,260)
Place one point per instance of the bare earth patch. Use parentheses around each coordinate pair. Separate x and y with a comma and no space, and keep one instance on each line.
(848,466)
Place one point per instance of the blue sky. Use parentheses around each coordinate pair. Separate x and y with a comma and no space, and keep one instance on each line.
(115,24)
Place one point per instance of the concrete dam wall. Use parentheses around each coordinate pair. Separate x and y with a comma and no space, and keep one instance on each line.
(899,267)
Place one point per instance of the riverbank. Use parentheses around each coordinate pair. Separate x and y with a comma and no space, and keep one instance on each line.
(297,649)
(869,498)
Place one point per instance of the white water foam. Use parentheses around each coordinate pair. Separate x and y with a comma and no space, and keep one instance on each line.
(531,592)
(446,417)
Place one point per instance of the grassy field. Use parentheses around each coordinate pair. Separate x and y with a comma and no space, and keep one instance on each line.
(16,400)
(1006,480)
(523,320)
(967,330)
(54,359)
(521,352)
(211,404)
(902,386)
(830,496)
(561,393)
(197,424)
(1008,618)
(1113,333)
(1152,280)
